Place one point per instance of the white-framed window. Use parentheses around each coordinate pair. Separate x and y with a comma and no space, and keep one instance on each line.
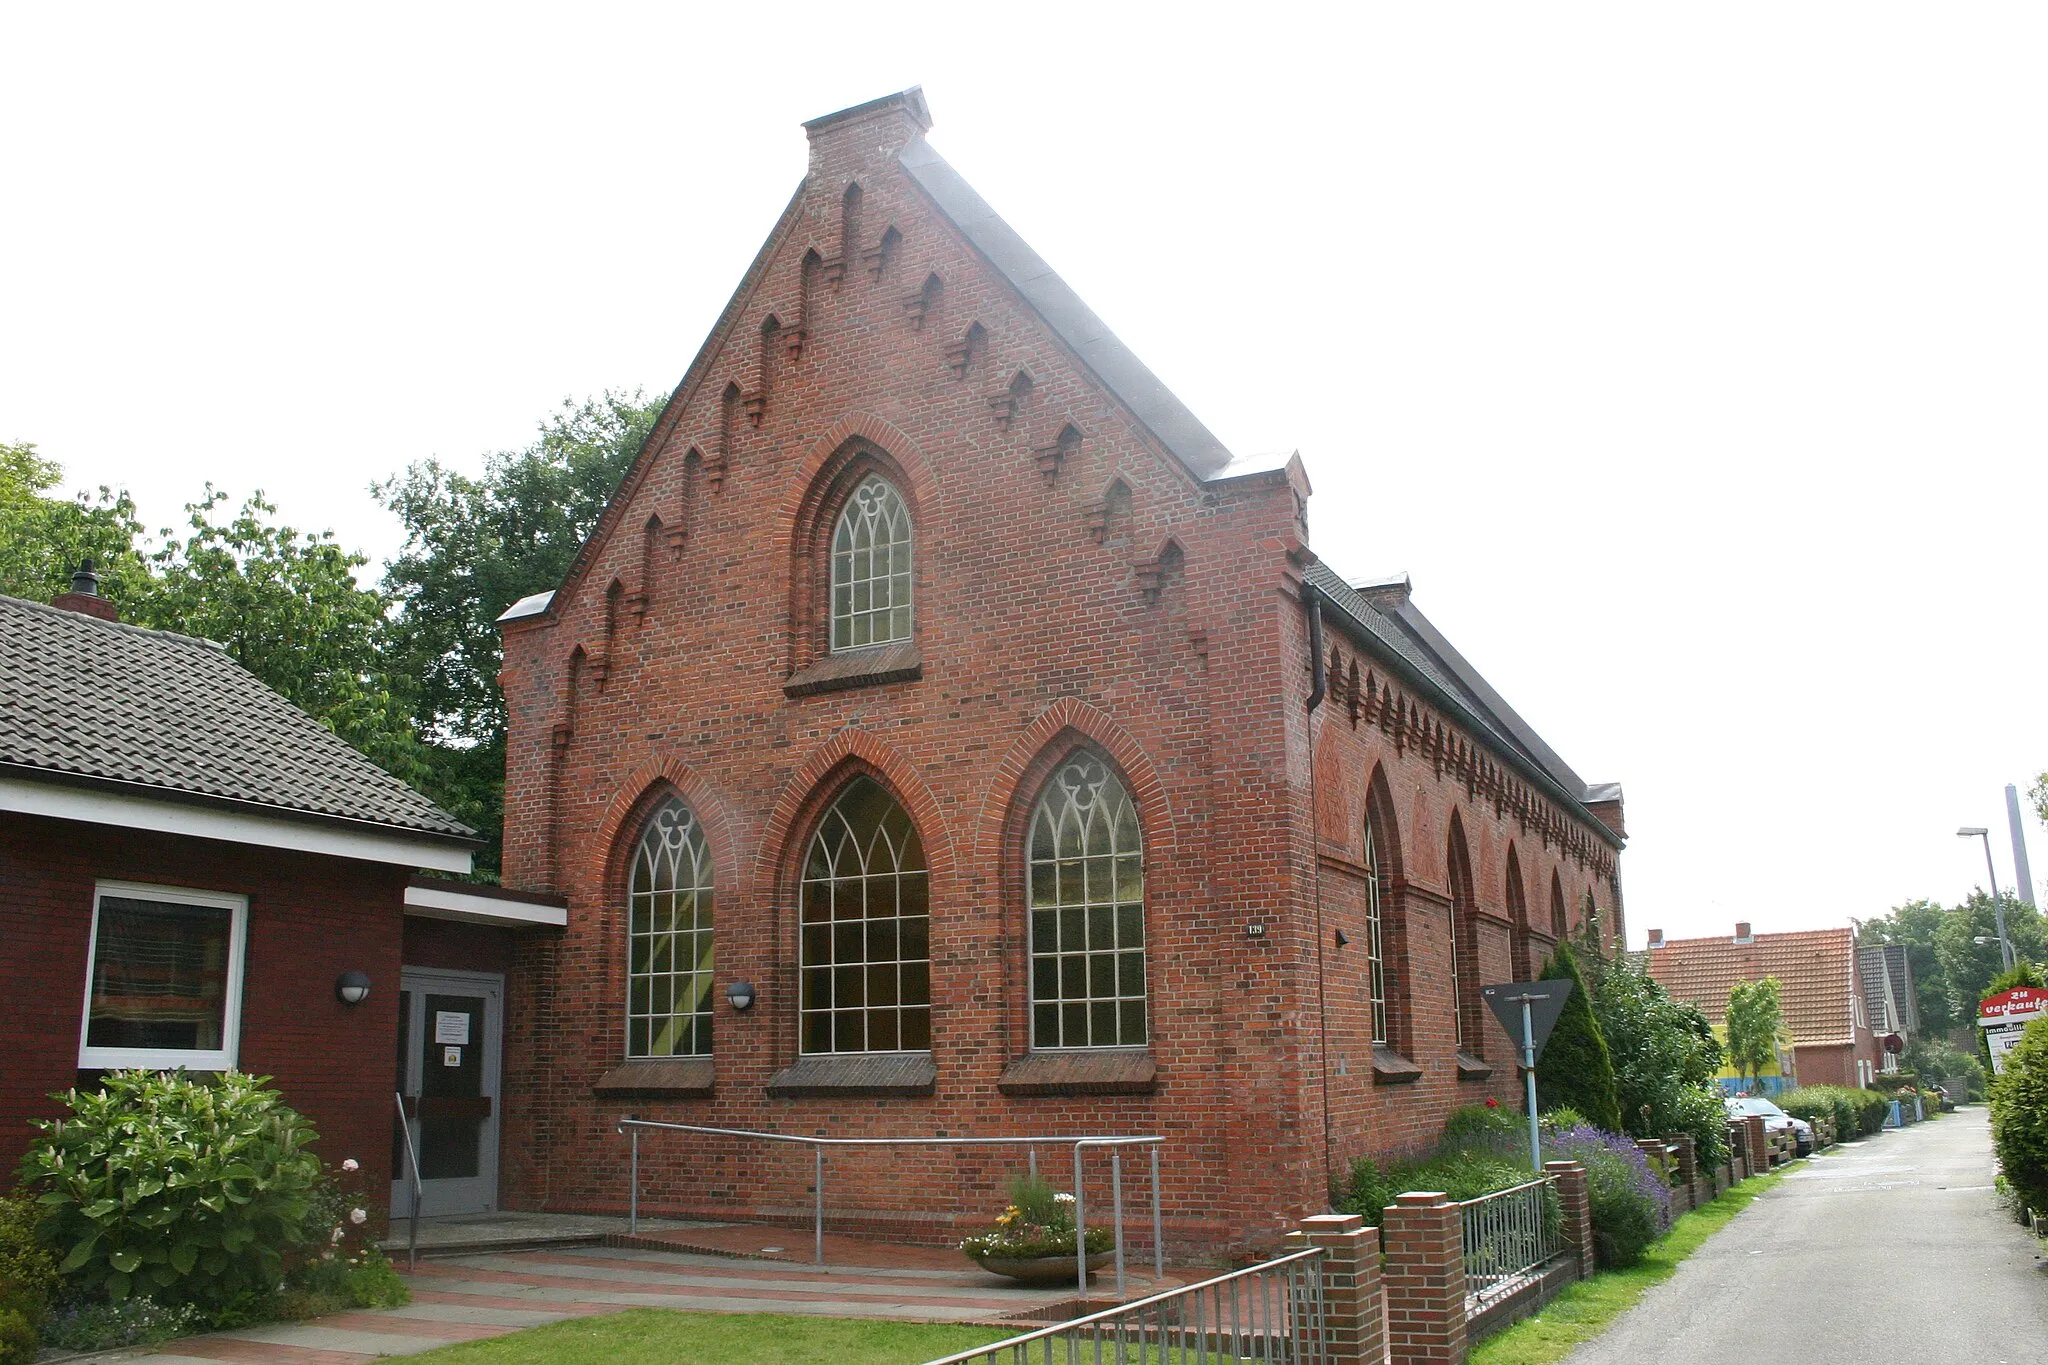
(871,568)
(1087,869)
(669,938)
(163,980)
(1375,938)
(865,926)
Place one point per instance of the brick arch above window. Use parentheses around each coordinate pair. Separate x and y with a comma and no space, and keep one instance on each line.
(636,798)
(863,448)
(816,783)
(1063,727)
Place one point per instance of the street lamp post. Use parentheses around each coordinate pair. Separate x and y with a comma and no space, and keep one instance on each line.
(1997,902)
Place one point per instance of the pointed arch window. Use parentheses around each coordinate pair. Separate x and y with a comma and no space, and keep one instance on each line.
(1375,936)
(871,548)
(669,939)
(1087,873)
(866,928)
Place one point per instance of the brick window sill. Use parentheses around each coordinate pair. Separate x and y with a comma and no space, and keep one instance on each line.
(663,1077)
(857,668)
(1470,1068)
(1391,1068)
(1081,1072)
(856,1073)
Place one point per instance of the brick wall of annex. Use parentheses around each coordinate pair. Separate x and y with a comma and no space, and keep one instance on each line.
(311,918)
(1163,630)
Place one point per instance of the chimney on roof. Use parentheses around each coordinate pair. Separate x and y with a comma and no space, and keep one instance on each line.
(1388,594)
(1742,934)
(84,596)
(1656,938)
(854,141)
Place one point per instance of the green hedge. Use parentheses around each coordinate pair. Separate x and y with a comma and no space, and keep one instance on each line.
(28,1278)
(2019,1118)
(1857,1113)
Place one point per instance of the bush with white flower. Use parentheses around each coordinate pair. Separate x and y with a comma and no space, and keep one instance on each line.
(1038,1222)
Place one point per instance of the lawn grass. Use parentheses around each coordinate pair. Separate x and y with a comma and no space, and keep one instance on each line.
(643,1336)
(1586,1309)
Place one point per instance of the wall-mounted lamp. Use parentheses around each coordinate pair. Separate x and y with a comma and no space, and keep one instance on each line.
(1342,938)
(352,988)
(740,995)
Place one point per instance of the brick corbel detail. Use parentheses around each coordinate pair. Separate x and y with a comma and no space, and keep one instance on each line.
(793,339)
(1354,1314)
(755,405)
(1575,1210)
(1425,1280)
(832,270)
(1004,406)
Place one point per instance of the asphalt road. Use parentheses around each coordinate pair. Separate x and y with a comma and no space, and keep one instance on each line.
(1892,1248)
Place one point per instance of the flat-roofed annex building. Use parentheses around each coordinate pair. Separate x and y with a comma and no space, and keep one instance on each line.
(936,674)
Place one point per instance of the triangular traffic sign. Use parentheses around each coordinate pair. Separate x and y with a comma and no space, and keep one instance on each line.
(1546,1002)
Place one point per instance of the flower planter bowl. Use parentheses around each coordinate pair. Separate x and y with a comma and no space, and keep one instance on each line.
(1037,1269)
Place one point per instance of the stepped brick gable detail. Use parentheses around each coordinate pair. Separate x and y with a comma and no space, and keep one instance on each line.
(1090,576)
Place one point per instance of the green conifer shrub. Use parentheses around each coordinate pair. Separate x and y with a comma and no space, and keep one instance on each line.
(1575,1070)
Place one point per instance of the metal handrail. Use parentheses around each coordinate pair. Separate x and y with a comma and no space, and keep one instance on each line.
(631,1129)
(412,1160)
(1237,1317)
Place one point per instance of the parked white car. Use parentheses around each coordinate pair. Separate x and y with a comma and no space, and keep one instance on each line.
(1775,1120)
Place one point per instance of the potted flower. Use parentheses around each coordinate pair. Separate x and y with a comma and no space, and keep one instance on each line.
(1033,1239)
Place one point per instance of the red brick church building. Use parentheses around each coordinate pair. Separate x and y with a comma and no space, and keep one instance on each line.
(936,674)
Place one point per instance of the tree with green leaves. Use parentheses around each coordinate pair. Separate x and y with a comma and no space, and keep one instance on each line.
(1665,1058)
(1576,1070)
(473,547)
(1967,947)
(1755,1025)
(44,538)
(286,606)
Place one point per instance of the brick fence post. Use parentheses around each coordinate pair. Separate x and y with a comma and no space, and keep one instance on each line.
(1354,1312)
(1759,1145)
(1575,1204)
(1688,1165)
(1425,1280)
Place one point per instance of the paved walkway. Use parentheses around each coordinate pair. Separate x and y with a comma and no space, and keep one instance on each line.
(486,1294)
(1892,1248)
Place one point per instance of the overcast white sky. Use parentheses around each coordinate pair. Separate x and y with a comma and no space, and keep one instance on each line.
(1690,358)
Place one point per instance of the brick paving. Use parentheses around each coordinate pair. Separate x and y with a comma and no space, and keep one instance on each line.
(487,1294)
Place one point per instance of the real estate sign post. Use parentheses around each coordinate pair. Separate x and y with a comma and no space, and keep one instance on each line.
(2005,1016)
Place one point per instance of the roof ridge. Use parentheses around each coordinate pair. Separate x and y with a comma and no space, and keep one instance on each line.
(65,613)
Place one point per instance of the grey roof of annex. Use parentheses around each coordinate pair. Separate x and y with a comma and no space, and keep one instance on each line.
(102,704)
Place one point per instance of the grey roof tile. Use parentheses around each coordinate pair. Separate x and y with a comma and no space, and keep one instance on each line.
(1121,372)
(97,701)
(1397,646)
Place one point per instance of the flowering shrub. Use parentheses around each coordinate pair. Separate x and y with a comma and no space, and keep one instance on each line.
(1631,1205)
(185,1190)
(348,1270)
(1038,1222)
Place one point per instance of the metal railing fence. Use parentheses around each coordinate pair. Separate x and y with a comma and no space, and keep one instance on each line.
(632,1128)
(1508,1235)
(1272,1314)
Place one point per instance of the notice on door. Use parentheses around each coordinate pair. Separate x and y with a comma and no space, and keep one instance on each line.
(451,1026)
(451,1056)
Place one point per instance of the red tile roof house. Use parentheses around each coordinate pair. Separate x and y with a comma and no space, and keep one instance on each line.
(1821,989)
(1046,781)
(190,869)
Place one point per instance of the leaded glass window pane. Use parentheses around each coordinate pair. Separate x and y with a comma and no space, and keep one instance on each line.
(871,568)
(1375,940)
(668,948)
(1087,890)
(865,929)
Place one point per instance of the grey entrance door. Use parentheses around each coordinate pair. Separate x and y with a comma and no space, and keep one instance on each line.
(449,1027)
